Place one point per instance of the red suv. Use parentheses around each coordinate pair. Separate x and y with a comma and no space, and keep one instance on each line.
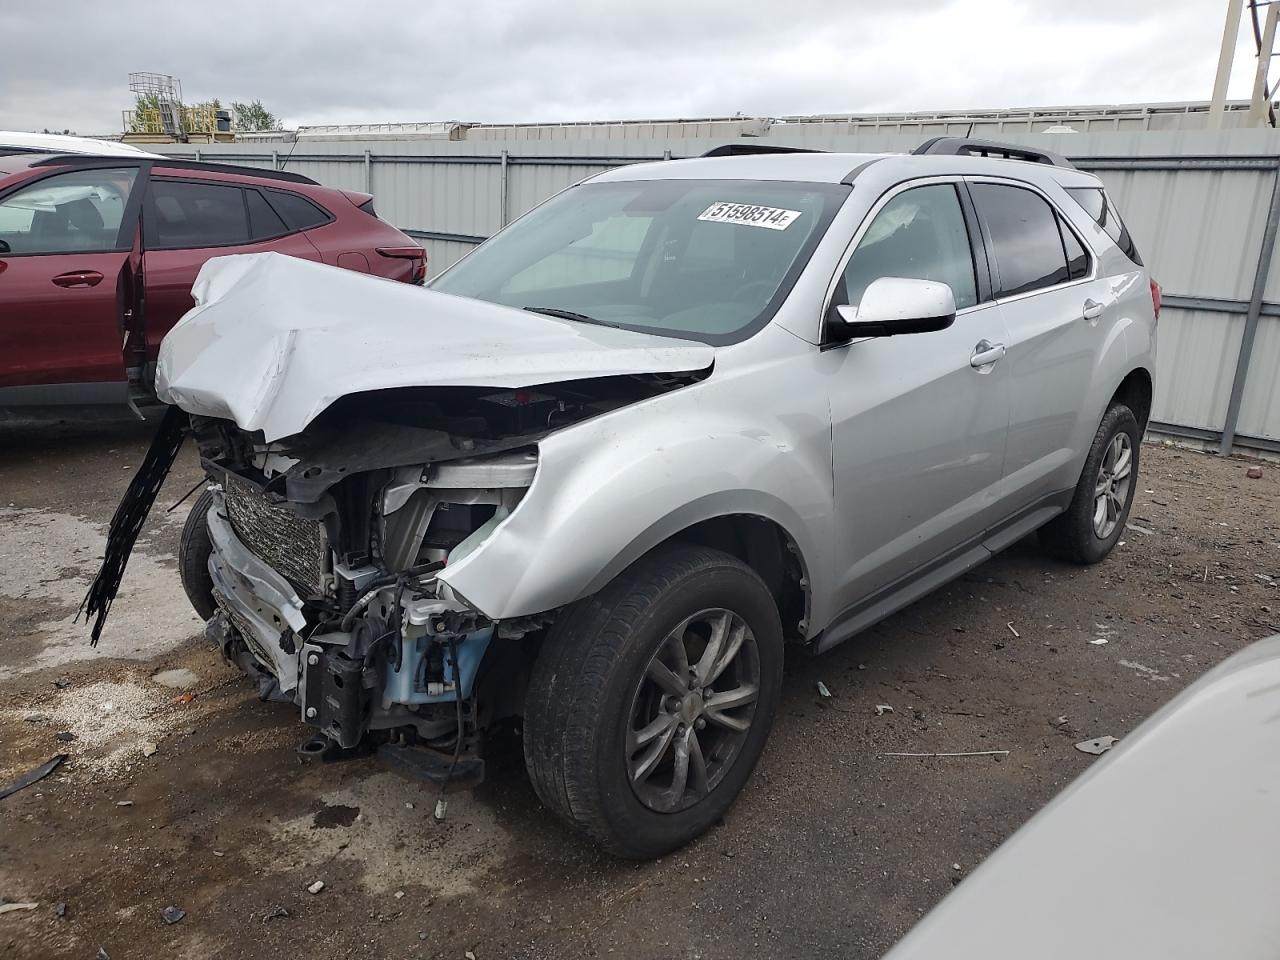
(98,255)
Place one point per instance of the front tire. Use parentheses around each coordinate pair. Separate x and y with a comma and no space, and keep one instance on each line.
(651,701)
(193,558)
(1092,525)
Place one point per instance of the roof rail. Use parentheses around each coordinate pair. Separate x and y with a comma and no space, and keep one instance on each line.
(94,160)
(748,149)
(967,146)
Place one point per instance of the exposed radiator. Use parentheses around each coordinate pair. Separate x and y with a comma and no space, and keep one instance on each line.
(291,545)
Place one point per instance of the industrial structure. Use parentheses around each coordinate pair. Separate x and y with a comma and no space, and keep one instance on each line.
(160,115)
(1263,18)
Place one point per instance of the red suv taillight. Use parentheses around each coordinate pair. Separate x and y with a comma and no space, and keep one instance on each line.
(1155,298)
(415,253)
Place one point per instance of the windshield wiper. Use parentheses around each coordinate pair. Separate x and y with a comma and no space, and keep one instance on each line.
(570,315)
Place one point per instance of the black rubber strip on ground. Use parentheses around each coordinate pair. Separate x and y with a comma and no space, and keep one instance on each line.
(33,776)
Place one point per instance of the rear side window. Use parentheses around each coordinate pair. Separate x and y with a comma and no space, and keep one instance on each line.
(1028,239)
(297,211)
(1098,205)
(184,215)
(367,207)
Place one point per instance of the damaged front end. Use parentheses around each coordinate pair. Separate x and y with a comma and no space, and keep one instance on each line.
(325,551)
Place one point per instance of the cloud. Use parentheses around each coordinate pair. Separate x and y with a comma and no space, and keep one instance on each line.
(499,60)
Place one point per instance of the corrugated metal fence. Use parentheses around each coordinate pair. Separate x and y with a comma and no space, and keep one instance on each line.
(1203,207)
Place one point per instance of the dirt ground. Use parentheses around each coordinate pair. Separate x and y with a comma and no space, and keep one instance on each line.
(832,850)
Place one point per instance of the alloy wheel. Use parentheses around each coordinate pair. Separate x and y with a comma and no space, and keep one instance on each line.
(692,710)
(1111,490)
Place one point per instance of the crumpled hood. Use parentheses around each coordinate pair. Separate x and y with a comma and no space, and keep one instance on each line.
(274,340)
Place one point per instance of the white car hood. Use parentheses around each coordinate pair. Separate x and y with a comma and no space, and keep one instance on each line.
(273,341)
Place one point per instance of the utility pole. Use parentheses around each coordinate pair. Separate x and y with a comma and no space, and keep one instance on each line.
(1218,105)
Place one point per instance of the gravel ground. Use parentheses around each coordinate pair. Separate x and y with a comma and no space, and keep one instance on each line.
(833,849)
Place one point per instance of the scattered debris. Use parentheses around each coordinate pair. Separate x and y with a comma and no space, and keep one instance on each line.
(59,910)
(149,748)
(408,805)
(1137,529)
(971,753)
(184,697)
(1098,745)
(8,907)
(62,683)
(399,894)
(316,887)
(955,866)
(545,918)
(33,776)
(1099,642)
(218,853)
(124,803)
(441,806)
(469,955)
(1060,721)
(279,913)
(36,718)
(102,954)
(1012,630)
(822,689)
(172,914)
(64,736)
(882,709)
(1254,473)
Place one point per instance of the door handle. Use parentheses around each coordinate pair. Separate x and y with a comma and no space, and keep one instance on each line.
(78,278)
(1092,309)
(986,353)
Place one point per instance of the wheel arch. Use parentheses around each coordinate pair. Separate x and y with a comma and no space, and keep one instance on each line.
(767,548)
(1136,391)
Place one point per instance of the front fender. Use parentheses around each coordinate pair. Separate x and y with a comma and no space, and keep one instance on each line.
(610,489)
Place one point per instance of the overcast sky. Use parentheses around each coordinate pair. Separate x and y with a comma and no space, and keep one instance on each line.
(65,64)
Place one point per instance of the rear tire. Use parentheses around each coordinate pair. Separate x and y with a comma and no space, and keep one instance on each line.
(193,558)
(1093,524)
(607,678)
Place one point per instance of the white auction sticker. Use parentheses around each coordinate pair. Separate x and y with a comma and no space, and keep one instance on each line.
(771,218)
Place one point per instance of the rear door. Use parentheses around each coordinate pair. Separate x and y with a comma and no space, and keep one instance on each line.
(187,221)
(65,277)
(1056,311)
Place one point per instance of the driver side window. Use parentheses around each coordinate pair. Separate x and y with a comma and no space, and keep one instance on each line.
(920,234)
(79,212)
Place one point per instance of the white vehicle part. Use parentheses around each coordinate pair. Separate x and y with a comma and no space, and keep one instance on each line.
(274,340)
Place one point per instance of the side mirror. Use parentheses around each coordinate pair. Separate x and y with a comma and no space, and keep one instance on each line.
(894,305)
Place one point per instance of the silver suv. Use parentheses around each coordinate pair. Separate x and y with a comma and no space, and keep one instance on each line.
(677,417)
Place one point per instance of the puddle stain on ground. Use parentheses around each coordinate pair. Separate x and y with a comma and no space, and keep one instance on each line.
(337,815)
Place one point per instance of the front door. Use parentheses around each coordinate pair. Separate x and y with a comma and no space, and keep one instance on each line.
(919,422)
(65,245)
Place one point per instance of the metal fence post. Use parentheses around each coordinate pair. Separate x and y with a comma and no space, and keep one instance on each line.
(502,190)
(275,159)
(197,154)
(1260,277)
(368,171)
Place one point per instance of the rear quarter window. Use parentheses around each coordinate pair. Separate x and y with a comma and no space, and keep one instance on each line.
(1096,203)
(298,212)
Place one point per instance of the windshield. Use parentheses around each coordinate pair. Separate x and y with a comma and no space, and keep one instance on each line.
(708,260)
